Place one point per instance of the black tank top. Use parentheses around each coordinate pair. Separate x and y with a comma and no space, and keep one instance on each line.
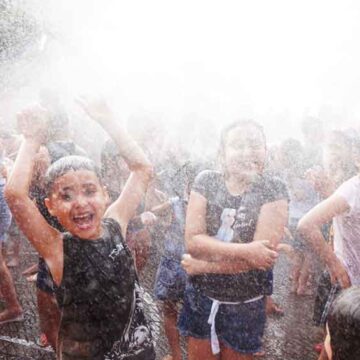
(96,293)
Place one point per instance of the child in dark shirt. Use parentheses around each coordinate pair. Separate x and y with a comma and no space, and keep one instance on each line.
(92,268)
(235,220)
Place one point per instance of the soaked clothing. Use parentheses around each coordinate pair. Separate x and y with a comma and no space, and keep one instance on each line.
(347,229)
(5,214)
(101,312)
(234,219)
(238,326)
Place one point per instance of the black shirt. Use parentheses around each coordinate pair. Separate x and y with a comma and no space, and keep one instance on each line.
(96,293)
(234,219)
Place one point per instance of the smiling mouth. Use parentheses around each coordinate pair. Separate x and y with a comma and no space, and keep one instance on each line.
(84,221)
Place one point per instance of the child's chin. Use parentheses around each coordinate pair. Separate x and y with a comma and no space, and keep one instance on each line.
(87,232)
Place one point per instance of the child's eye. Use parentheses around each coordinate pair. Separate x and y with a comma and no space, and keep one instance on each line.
(66,197)
(90,192)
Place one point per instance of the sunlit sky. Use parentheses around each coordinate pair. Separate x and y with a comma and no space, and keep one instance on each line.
(213,61)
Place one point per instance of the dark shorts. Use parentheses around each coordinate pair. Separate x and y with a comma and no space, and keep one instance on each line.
(239,327)
(44,279)
(170,280)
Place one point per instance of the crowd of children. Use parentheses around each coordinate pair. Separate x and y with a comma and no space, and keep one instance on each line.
(220,227)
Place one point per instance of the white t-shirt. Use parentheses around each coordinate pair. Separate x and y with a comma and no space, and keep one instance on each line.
(347,229)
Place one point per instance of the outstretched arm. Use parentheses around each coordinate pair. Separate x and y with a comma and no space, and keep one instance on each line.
(46,240)
(310,229)
(124,208)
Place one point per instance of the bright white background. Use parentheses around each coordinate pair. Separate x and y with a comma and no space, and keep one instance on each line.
(205,62)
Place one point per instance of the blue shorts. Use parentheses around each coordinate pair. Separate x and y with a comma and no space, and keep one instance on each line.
(239,326)
(170,280)
(5,214)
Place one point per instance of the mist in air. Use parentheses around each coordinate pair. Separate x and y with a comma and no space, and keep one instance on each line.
(194,65)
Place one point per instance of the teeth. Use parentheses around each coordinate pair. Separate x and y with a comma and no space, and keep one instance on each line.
(82,217)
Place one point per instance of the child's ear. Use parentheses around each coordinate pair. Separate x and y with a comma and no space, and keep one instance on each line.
(49,206)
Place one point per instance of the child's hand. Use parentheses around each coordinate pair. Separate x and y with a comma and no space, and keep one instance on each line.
(97,109)
(33,123)
(148,218)
(261,254)
(193,266)
(338,273)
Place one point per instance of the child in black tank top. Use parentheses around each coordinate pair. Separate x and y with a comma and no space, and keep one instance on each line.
(91,265)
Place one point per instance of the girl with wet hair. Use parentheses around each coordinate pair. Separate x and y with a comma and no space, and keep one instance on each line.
(343,326)
(93,270)
(224,307)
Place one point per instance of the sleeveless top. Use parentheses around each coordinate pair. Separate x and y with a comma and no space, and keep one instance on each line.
(233,219)
(97,294)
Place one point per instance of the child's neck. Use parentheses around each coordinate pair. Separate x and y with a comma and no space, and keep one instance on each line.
(237,185)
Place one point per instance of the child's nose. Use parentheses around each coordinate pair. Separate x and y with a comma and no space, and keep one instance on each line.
(81,201)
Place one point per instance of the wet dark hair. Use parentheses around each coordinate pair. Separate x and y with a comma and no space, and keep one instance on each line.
(66,164)
(344,325)
(243,123)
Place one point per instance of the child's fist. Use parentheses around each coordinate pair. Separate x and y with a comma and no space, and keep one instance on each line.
(97,109)
(33,123)
(193,266)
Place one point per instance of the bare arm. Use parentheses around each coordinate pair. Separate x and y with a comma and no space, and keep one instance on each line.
(270,226)
(204,247)
(46,240)
(124,208)
(310,229)
(272,222)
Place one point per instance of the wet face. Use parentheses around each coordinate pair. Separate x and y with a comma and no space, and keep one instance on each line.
(78,201)
(244,152)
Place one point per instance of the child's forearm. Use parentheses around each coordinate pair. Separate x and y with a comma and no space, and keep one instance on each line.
(206,247)
(314,237)
(20,177)
(227,267)
(133,155)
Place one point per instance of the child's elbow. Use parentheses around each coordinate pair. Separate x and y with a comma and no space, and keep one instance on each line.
(304,228)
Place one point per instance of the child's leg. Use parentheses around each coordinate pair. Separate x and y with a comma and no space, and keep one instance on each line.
(229,354)
(49,316)
(304,275)
(171,331)
(16,244)
(200,349)
(296,270)
(7,289)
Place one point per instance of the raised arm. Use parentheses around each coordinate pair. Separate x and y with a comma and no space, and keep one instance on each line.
(124,208)
(204,247)
(309,228)
(46,240)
